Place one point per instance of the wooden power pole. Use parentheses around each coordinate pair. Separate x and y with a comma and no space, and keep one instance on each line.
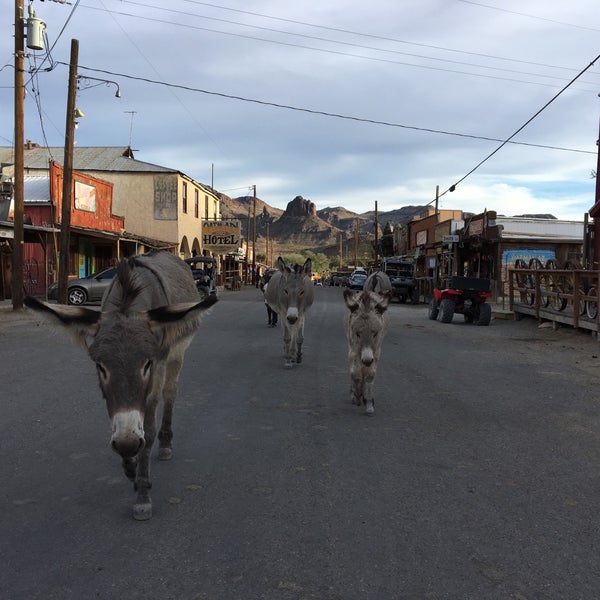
(67,191)
(19,167)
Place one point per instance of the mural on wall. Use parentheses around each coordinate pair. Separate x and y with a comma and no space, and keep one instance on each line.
(165,198)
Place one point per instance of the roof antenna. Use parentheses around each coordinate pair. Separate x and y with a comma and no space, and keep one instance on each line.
(131,112)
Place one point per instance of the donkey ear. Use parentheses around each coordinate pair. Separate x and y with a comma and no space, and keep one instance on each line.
(78,322)
(281,264)
(383,301)
(351,299)
(175,312)
(306,269)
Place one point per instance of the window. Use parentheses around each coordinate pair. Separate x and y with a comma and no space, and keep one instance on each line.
(206,207)
(216,216)
(184,197)
(196,204)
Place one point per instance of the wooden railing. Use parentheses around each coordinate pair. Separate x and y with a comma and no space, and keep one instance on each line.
(568,296)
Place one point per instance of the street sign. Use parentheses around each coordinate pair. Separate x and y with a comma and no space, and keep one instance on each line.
(449,239)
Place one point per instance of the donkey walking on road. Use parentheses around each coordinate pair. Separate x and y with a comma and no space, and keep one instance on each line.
(138,340)
(290,292)
(365,328)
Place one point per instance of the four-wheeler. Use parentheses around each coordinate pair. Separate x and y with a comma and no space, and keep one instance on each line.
(464,295)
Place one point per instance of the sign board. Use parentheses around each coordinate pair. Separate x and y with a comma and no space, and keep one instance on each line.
(221,237)
(449,239)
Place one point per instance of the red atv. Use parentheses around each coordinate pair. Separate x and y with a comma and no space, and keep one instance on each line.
(464,295)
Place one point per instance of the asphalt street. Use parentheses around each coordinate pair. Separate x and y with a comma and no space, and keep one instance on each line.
(477,479)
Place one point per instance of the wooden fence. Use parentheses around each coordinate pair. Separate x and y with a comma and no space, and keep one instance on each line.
(568,296)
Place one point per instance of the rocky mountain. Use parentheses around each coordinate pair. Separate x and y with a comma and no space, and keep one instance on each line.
(301,226)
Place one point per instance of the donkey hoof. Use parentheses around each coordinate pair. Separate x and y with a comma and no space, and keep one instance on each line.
(289,364)
(165,453)
(370,410)
(142,511)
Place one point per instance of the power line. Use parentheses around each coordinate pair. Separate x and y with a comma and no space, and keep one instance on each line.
(340,53)
(514,12)
(508,140)
(380,37)
(331,114)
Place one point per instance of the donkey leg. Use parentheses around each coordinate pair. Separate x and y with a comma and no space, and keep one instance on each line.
(356,384)
(368,399)
(142,509)
(287,345)
(165,435)
(130,467)
(299,339)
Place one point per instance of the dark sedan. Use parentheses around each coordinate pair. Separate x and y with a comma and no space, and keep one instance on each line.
(86,289)
(357,281)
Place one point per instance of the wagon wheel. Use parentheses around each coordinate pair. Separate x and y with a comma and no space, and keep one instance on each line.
(569,287)
(573,265)
(556,285)
(536,264)
(522,279)
(591,306)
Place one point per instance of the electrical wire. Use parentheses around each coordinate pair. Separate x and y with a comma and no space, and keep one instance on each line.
(329,114)
(345,43)
(508,139)
(337,52)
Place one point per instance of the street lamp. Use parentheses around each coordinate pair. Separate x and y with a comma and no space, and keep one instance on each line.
(85,81)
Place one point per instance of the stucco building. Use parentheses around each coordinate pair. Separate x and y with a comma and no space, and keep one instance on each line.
(157,203)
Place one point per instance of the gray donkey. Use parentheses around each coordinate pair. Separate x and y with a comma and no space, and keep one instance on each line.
(138,340)
(365,328)
(290,292)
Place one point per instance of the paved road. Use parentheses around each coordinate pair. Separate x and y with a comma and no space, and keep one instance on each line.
(478,478)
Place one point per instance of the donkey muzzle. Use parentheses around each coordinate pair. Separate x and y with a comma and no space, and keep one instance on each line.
(128,433)
(292,315)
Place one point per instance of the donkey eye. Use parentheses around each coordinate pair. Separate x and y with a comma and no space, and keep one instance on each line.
(147,369)
(102,372)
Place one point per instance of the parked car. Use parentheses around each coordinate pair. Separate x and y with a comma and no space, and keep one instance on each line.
(357,281)
(86,289)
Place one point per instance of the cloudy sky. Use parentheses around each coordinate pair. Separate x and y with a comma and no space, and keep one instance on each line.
(342,102)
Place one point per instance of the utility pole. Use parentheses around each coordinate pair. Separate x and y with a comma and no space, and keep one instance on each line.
(356,242)
(376,235)
(19,167)
(67,191)
(254,278)
(596,251)
(267,247)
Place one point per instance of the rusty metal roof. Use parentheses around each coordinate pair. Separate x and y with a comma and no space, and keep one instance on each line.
(94,158)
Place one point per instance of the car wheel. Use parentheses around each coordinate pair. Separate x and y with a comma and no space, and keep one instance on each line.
(446,310)
(77,296)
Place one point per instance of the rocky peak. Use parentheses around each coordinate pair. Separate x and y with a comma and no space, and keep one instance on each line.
(299,207)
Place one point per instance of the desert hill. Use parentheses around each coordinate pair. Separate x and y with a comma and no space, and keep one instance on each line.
(301,226)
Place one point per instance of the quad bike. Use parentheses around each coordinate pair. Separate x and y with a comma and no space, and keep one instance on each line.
(464,295)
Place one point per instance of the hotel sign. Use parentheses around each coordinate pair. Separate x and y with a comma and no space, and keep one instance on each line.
(221,237)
